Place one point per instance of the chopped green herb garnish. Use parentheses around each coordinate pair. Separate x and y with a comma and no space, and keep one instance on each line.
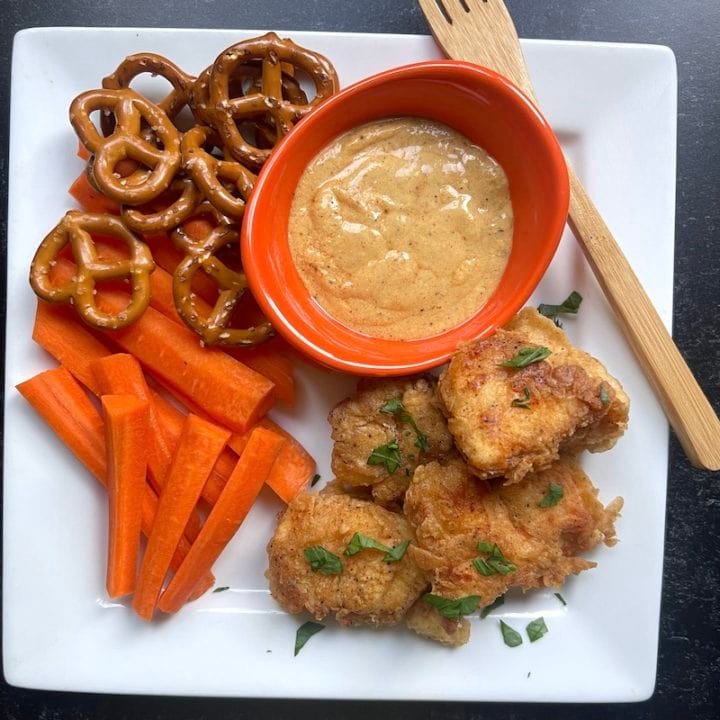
(527,356)
(569,306)
(360,542)
(493,606)
(322,560)
(221,589)
(604,395)
(536,629)
(304,633)
(453,609)
(553,496)
(511,637)
(482,567)
(315,480)
(397,552)
(387,455)
(524,401)
(494,563)
(395,407)
(560,598)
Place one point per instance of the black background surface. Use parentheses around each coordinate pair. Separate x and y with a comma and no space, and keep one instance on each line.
(688,684)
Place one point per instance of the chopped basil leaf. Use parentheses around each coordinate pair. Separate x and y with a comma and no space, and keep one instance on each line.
(560,598)
(395,407)
(453,609)
(527,356)
(396,553)
(221,589)
(495,563)
(360,542)
(604,395)
(511,637)
(523,402)
(493,606)
(315,480)
(304,633)
(553,496)
(569,306)
(482,567)
(322,560)
(387,455)
(536,629)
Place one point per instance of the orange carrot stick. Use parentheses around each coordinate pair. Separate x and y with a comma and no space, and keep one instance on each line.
(126,430)
(90,199)
(225,518)
(293,467)
(172,419)
(82,152)
(120,373)
(58,331)
(228,391)
(200,445)
(61,402)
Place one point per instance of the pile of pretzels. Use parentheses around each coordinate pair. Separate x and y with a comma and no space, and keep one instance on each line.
(161,176)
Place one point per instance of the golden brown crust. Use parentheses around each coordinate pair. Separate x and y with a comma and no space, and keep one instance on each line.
(369,591)
(358,427)
(574,404)
(428,622)
(451,511)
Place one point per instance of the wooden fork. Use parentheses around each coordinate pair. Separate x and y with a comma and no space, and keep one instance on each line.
(482,31)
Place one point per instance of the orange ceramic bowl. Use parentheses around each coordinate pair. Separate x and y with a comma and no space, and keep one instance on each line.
(484,107)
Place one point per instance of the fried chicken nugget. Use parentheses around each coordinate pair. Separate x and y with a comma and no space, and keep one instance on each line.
(428,622)
(508,422)
(452,512)
(359,427)
(368,591)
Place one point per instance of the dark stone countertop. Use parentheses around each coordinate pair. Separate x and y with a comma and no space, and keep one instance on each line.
(688,682)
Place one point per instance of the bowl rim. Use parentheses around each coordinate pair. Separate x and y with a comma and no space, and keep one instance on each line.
(259,285)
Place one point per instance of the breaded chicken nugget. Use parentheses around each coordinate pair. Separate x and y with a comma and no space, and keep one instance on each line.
(367,590)
(509,421)
(364,424)
(428,622)
(459,519)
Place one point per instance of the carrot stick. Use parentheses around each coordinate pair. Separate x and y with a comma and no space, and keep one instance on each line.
(172,419)
(228,391)
(61,402)
(82,152)
(58,331)
(126,428)
(200,445)
(90,199)
(225,518)
(120,373)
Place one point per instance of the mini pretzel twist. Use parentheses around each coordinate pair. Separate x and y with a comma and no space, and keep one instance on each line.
(76,229)
(226,109)
(214,177)
(147,62)
(214,329)
(129,109)
(169,218)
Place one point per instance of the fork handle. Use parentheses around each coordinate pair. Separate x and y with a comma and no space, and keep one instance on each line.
(688,410)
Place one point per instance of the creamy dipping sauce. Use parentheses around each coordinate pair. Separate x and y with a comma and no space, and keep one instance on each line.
(401,228)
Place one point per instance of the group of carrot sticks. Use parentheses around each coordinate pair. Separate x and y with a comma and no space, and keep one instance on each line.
(184,456)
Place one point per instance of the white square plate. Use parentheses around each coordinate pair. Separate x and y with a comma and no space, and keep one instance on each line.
(614,108)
